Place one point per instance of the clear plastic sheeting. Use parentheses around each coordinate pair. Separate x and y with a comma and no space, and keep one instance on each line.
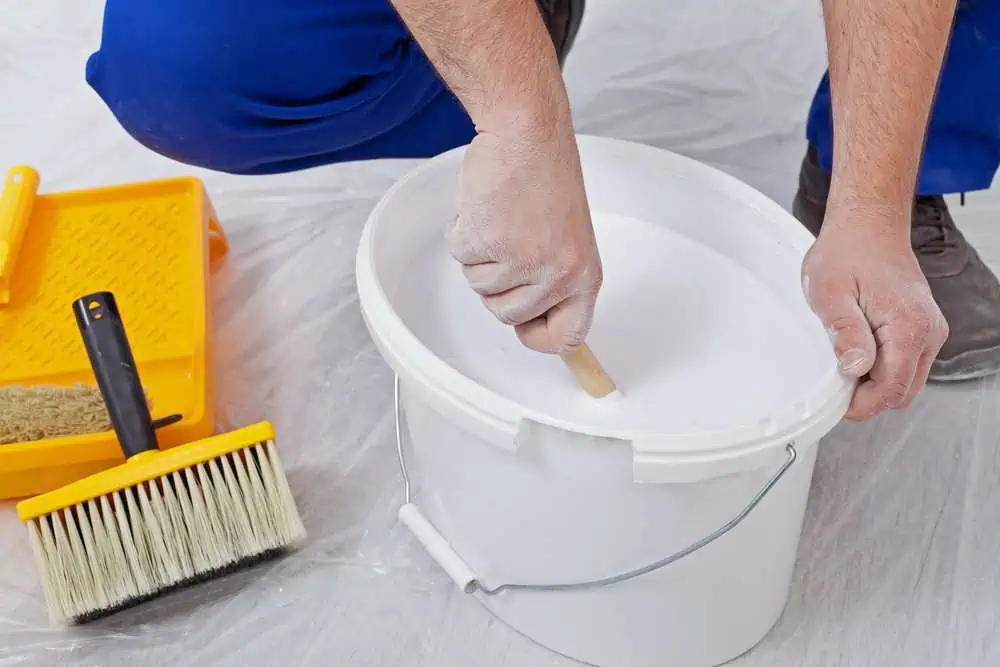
(899,558)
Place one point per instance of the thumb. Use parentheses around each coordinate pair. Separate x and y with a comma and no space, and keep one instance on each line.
(852,337)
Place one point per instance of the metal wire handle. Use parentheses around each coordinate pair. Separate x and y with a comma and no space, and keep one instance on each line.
(477,585)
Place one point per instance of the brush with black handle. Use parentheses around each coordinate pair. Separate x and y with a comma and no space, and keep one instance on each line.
(163,519)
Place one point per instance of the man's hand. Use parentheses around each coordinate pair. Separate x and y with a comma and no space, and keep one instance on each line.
(524,237)
(523,233)
(862,279)
(861,276)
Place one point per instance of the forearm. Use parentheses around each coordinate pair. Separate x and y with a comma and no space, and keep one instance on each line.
(885,58)
(496,56)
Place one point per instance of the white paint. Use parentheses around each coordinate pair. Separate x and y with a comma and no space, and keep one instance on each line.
(683,331)
(719,360)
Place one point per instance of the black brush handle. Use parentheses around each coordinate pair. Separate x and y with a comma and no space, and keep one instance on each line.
(116,372)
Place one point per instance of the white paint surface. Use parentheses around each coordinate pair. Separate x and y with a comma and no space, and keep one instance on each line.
(701,322)
(692,339)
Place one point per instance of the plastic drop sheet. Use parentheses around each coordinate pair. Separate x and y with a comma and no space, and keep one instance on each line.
(899,558)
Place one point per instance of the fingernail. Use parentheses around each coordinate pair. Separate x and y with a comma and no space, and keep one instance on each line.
(851,360)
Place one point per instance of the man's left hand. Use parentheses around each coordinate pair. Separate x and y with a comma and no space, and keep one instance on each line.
(863,281)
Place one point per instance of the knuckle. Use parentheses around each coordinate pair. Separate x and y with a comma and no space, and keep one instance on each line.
(453,240)
(494,247)
(921,325)
(579,271)
(569,265)
(480,288)
(894,392)
(472,246)
(508,311)
(456,228)
(486,280)
(506,318)
(461,245)
(506,315)
(941,329)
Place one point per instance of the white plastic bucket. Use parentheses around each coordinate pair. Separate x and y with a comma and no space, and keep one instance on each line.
(728,382)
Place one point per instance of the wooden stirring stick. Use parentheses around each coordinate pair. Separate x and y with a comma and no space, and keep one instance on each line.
(588,372)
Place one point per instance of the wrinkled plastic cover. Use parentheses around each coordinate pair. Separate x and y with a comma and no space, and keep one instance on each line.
(899,558)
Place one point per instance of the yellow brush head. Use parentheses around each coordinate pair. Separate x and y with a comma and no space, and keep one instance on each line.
(146,467)
(162,520)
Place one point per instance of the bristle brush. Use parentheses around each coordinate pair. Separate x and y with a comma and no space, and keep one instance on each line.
(163,519)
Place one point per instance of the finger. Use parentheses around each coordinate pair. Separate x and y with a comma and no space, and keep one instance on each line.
(853,340)
(465,245)
(920,377)
(936,338)
(562,329)
(492,278)
(523,303)
(890,379)
(859,409)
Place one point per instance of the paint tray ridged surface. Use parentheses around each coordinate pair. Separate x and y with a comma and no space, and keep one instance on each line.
(152,244)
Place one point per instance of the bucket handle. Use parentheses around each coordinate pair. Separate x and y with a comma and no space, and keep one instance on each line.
(456,568)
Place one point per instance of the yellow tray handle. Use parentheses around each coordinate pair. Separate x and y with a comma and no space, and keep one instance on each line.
(16,203)
(218,245)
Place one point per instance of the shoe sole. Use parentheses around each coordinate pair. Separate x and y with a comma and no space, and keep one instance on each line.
(971,365)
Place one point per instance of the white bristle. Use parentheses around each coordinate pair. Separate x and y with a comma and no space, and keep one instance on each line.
(49,586)
(134,542)
(75,571)
(264,484)
(199,525)
(283,498)
(103,588)
(89,589)
(254,499)
(177,561)
(220,505)
(110,547)
(237,504)
(109,553)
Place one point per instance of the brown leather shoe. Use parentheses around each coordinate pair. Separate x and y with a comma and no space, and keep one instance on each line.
(964,287)
(563,19)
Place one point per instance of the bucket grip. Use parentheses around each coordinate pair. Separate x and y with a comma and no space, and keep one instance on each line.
(456,568)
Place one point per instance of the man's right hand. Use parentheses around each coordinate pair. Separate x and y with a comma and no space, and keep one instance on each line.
(523,233)
(524,236)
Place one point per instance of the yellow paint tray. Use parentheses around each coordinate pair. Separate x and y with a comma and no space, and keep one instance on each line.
(153,244)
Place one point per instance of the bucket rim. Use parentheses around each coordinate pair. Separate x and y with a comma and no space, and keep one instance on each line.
(826,402)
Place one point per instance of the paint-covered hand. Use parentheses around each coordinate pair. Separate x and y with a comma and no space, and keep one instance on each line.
(863,281)
(524,237)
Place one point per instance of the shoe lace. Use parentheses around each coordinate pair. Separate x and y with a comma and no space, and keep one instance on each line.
(933,231)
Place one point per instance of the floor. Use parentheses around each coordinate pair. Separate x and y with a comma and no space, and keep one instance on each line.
(898,564)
